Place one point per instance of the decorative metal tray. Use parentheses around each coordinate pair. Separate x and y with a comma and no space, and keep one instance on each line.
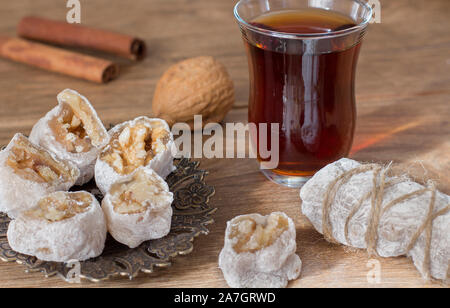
(191,214)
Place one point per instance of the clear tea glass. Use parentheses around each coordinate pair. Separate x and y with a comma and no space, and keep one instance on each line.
(302,58)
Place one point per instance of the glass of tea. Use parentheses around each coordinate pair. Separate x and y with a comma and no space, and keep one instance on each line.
(302,58)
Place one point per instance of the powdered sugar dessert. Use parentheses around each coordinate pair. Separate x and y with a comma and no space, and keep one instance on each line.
(138,209)
(72,131)
(259,251)
(359,205)
(142,142)
(28,172)
(63,226)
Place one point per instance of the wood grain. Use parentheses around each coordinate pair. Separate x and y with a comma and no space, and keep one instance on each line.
(403,93)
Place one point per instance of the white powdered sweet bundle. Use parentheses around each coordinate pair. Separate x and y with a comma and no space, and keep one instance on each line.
(139,208)
(72,131)
(142,142)
(29,172)
(361,206)
(259,251)
(63,226)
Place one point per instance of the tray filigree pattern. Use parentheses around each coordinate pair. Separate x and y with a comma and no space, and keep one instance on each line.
(191,215)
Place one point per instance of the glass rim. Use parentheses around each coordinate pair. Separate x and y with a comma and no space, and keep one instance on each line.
(288,35)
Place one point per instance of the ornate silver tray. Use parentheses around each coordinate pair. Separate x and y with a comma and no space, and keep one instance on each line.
(191,214)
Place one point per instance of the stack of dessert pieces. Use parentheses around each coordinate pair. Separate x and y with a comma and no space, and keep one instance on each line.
(69,146)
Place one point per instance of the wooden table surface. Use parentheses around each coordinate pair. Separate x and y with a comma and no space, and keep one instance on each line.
(403,94)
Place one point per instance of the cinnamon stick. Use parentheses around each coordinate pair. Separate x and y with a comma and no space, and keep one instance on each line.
(57,60)
(73,35)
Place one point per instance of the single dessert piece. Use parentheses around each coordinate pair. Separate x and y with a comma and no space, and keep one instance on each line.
(259,251)
(142,142)
(139,208)
(28,172)
(63,226)
(73,131)
(359,205)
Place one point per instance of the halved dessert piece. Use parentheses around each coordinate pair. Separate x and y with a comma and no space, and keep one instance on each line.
(259,251)
(28,172)
(62,227)
(73,131)
(138,209)
(142,142)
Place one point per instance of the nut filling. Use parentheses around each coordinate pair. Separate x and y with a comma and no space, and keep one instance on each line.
(135,145)
(76,127)
(251,236)
(69,131)
(60,206)
(34,164)
(136,195)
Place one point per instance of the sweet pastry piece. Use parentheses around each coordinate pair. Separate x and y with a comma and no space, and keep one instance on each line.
(63,226)
(73,131)
(359,205)
(28,172)
(259,252)
(139,208)
(141,142)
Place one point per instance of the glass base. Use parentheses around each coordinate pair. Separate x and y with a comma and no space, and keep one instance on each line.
(286,180)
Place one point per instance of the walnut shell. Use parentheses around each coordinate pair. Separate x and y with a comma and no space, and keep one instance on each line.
(197,86)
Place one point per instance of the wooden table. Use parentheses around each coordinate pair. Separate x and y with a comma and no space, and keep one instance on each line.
(403,93)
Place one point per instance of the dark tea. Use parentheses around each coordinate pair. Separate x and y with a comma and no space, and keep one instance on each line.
(309,93)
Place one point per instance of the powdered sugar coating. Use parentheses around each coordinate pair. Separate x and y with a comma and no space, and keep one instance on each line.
(397,226)
(162,163)
(153,223)
(269,267)
(43,135)
(17,193)
(80,237)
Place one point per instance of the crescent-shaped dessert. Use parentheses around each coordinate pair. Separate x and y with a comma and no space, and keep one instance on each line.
(142,142)
(259,251)
(138,209)
(28,172)
(72,131)
(64,226)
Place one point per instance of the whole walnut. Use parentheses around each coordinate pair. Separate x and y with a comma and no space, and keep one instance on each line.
(196,86)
